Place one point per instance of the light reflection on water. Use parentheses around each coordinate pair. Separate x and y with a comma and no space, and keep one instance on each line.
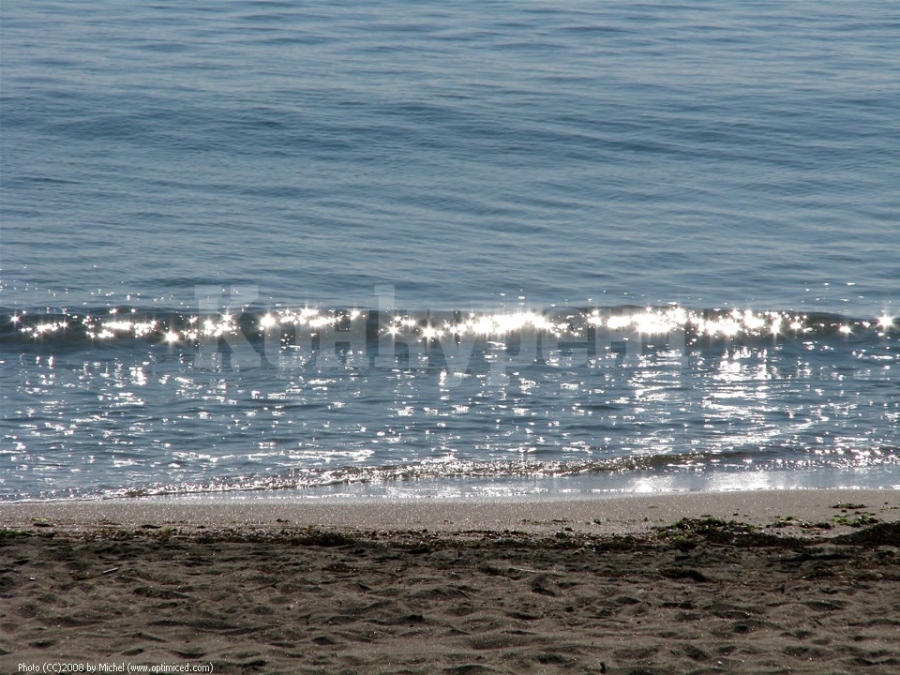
(138,417)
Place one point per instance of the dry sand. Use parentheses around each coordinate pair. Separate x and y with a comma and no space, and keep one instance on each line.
(541,586)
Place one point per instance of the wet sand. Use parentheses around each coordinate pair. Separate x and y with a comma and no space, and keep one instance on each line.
(757,582)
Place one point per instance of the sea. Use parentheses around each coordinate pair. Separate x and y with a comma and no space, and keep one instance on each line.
(304,249)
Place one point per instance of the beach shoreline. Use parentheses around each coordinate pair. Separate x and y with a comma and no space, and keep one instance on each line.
(772,581)
(618,513)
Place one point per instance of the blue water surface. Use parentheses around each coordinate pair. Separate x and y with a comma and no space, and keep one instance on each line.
(490,157)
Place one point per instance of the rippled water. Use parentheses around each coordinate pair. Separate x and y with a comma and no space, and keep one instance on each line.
(672,229)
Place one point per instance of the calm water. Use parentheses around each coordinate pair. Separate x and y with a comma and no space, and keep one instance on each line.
(456,248)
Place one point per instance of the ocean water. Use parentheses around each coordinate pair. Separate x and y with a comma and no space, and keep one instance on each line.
(448,249)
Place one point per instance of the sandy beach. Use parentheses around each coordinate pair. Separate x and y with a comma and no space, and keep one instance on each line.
(755,582)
